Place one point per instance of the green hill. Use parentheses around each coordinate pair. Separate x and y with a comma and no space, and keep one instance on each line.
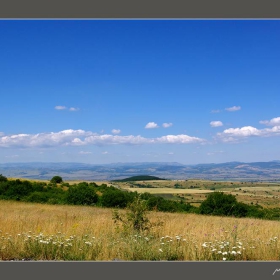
(139,178)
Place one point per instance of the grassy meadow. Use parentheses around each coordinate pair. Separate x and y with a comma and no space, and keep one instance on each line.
(33,231)
(265,194)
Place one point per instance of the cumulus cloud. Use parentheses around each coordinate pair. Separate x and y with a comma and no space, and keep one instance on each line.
(80,137)
(151,125)
(116,131)
(216,123)
(234,108)
(272,122)
(73,109)
(60,107)
(176,139)
(64,137)
(166,125)
(236,134)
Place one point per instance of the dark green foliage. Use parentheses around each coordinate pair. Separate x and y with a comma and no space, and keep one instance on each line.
(18,189)
(220,204)
(56,180)
(139,178)
(112,197)
(81,194)
(3,178)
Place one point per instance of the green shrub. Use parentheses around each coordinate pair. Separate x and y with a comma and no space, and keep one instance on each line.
(218,203)
(116,198)
(136,217)
(3,178)
(81,194)
(56,180)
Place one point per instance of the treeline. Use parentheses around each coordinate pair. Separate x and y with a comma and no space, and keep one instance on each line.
(216,203)
(139,178)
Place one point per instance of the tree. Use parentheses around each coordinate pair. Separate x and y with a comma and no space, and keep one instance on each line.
(56,180)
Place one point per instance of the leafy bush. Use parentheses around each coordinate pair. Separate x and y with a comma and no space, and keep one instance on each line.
(3,178)
(81,194)
(218,203)
(136,218)
(116,198)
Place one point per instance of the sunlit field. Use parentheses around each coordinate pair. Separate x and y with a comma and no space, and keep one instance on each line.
(54,232)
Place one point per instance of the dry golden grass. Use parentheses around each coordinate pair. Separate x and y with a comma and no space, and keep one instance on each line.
(258,237)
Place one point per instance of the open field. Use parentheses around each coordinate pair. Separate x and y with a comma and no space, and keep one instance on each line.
(265,194)
(52,232)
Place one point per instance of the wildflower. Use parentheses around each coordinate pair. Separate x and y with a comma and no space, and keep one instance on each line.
(160,250)
(213,250)
(238,252)
(233,253)
(224,253)
(224,259)
(204,245)
(147,238)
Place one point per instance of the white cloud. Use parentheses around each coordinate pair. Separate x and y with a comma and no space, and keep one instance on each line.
(272,122)
(178,139)
(234,108)
(74,109)
(12,156)
(214,153)
(116,131)
(105,153)
(166,125)
(171,153)
(80,137)
(236,134)
(85,153)
(151,125)
(215,111)
(216,123)
(60,107)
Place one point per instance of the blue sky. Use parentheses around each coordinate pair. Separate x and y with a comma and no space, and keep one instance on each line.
(102,91)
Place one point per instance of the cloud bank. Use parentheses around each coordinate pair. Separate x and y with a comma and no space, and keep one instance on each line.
(80,137)
(237,134)
(272,122)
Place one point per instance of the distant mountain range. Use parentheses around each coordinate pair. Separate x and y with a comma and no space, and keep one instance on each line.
(261,171)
